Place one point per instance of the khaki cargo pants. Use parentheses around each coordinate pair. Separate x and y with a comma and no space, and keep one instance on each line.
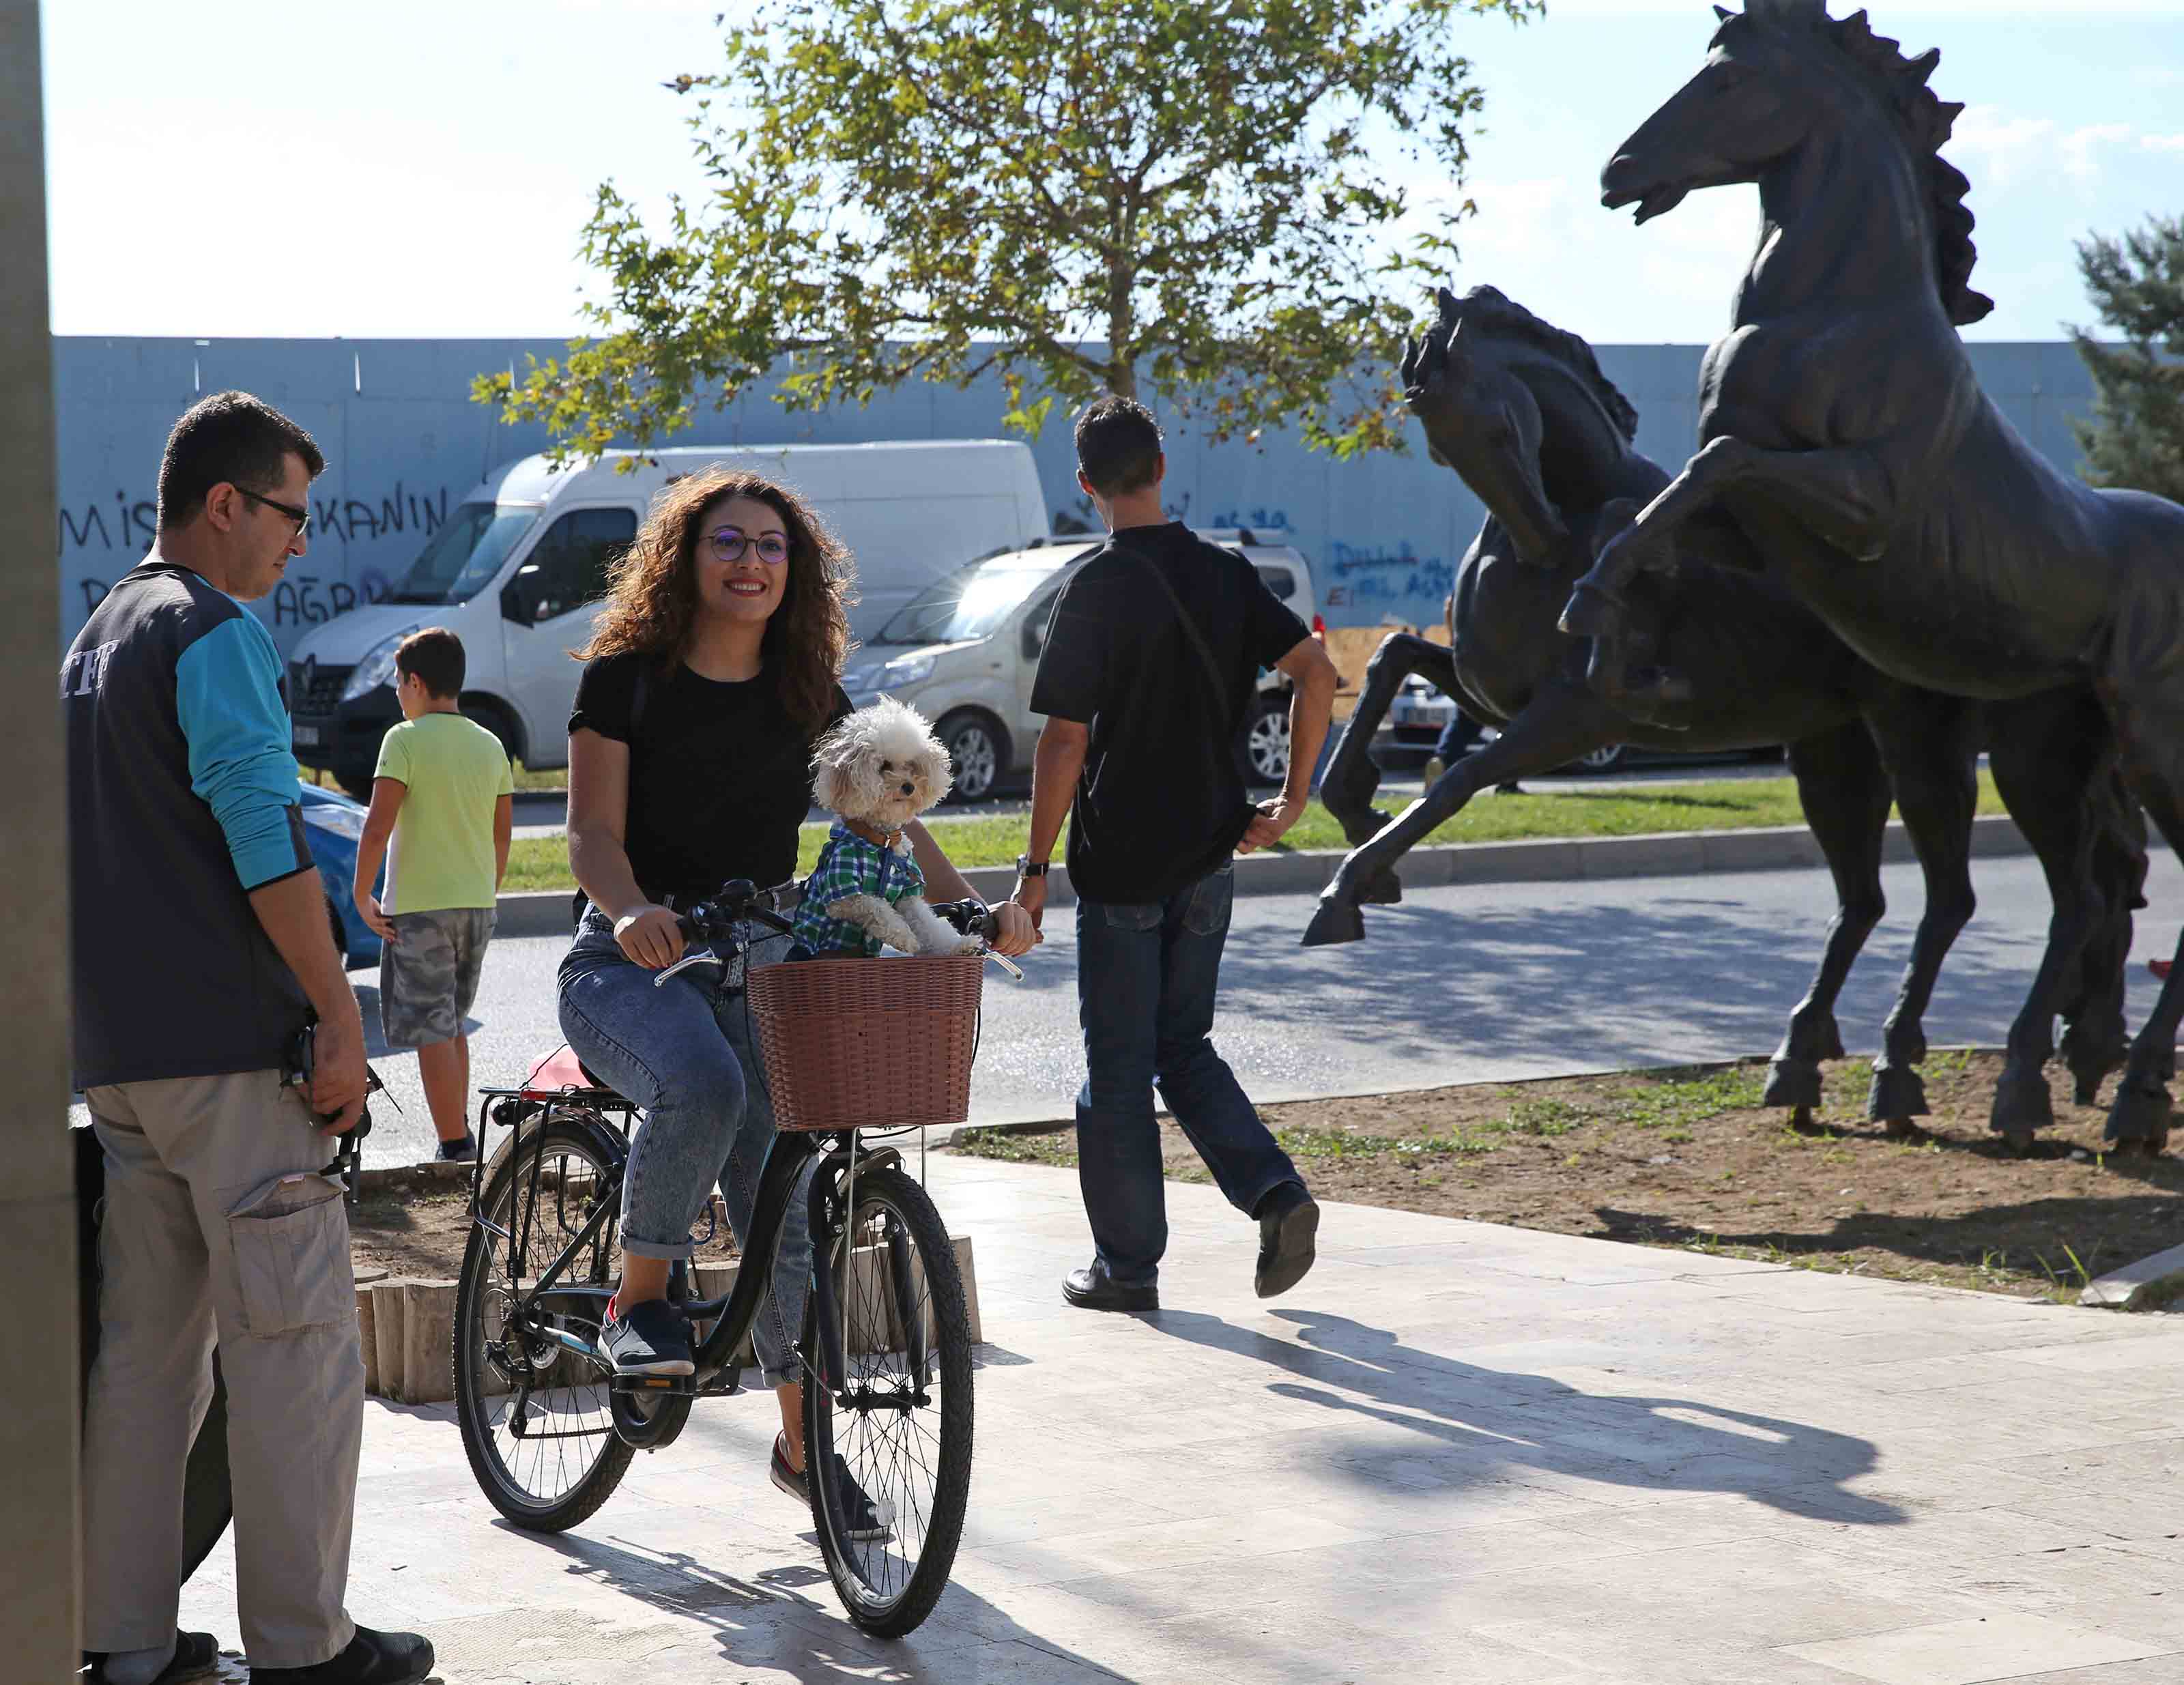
(217,1217)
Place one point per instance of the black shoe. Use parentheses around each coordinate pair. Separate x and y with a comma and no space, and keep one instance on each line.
(371,1659)
(1091,1289)
(863,1520)
(196,1655)
(463,1147)
(652,1338)
(1289,1222)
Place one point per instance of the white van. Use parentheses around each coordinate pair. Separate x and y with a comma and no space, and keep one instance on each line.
(966,653)
(517,569)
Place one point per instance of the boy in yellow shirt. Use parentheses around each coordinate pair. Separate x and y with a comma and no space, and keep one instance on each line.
(447,782)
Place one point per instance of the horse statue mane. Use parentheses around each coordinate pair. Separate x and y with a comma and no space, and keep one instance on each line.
(1925,120)
(1492,308)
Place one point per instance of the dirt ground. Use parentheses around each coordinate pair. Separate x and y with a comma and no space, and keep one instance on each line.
(421,1230)
(1687,1158)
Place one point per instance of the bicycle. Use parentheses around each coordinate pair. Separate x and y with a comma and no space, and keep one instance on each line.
(550,1429)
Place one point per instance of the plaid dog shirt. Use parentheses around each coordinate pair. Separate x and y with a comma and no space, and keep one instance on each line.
(849,865)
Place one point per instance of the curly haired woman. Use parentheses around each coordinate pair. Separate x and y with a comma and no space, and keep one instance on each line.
(709,675)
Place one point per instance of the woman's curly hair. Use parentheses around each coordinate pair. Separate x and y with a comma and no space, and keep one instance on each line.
(652,593)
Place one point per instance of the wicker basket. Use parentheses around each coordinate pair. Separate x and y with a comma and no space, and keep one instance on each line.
(881,1044)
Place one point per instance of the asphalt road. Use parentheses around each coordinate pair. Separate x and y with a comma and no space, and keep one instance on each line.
(1461,984)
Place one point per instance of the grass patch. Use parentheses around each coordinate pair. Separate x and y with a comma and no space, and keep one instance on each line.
(996,840)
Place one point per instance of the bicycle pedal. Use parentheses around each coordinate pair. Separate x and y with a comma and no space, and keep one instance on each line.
(656,1386)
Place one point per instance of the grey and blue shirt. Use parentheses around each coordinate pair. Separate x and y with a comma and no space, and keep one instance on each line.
(182,801)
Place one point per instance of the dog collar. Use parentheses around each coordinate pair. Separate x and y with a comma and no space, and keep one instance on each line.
(878,839)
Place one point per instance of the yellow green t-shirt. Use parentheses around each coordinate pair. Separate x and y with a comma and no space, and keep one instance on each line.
(441,855)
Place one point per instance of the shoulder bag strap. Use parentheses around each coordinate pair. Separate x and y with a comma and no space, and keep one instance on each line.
(1205,661)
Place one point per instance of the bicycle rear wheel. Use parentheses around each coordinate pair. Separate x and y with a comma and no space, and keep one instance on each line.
(904,1435)
(536,1418)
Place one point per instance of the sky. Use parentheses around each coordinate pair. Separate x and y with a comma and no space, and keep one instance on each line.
(260,167)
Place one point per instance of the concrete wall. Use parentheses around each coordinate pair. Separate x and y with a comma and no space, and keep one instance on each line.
(404,443)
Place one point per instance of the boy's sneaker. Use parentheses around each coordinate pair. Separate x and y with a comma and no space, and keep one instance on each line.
(652,1338)
(371,1659)
(864,1521)
(465,1146)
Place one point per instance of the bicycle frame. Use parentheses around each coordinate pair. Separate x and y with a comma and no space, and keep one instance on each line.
(732,1313)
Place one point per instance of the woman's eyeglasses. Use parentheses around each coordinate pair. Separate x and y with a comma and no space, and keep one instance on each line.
(729,544)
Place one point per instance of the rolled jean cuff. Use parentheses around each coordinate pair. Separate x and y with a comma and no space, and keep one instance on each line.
(671,1250)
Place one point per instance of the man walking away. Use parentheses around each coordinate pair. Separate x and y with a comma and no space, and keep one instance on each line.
(201,952)
(1154,655)
(443,794)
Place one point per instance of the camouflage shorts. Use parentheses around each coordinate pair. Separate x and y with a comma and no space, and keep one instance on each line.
(428,975)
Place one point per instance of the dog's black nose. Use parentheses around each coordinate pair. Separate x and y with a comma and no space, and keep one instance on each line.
(910,789)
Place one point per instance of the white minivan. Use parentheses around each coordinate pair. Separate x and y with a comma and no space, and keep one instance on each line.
(517,569)
(965,654)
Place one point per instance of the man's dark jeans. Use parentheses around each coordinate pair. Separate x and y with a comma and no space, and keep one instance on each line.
(1147,975)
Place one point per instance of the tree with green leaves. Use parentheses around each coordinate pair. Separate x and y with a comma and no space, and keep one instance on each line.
(1199,202)
(2136,435)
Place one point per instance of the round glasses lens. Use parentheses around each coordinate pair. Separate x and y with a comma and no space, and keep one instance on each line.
(728,543)
(773,549)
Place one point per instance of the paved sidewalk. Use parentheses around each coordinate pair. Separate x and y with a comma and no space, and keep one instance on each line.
(1457,1452)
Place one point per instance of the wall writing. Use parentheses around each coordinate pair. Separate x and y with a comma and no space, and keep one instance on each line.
(1378,577)
(357,546)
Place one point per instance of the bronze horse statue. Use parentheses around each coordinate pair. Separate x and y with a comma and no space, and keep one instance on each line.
(1521,410)
(1845,436)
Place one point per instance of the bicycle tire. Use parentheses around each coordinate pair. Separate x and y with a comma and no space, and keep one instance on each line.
(885,1595)
(505,1186)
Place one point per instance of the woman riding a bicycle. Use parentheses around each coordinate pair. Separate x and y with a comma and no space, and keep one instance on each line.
(710,673)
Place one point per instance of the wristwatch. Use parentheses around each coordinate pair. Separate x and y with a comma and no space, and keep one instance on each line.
(1027,867)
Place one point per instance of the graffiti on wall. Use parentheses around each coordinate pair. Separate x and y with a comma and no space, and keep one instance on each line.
(1380,581)
(100,539)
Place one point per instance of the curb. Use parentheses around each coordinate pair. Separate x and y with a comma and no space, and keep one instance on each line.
(2147,1285)
(1668,854)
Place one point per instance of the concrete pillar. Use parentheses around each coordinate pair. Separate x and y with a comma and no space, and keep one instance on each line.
(39,1551)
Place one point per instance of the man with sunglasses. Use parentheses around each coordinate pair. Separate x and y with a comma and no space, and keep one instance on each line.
(202,950)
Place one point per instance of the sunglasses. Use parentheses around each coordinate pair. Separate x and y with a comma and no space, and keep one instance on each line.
(301,517)
(729,544)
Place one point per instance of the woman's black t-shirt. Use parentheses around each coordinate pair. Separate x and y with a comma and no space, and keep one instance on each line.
(720,777)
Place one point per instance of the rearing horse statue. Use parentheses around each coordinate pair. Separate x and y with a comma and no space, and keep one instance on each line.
(1845,435)
(1521,411)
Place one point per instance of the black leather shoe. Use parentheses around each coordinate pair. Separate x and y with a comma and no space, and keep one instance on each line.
(1289,1229)
(196,1655)
(371,1659)
(1091,1289)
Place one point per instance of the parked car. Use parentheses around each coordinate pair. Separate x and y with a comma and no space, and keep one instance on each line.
(518,567)
(965,654)
(333,825)
(1420,714)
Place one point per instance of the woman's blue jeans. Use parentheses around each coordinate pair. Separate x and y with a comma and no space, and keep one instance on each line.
(1147,975)
(686,1054)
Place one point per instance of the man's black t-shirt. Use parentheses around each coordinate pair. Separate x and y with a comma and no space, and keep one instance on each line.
(1161,802)
(720,777)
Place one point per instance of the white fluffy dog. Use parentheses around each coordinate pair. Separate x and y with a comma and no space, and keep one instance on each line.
(878,770)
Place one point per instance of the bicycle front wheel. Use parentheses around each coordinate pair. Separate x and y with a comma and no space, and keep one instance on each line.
(536,1418)
(889,1450)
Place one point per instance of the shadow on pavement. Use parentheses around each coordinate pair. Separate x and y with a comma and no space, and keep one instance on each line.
(767,1620)
(1494,1425)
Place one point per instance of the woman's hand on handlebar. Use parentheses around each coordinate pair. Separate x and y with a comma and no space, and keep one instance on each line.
(649,934)
(1017,935)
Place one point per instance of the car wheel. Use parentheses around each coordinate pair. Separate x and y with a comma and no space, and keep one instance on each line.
(1267,740)
(973,743)
(341,936)
(1606,759)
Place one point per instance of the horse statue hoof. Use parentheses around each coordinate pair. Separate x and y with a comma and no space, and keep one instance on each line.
(1336,921)
(1792,1083)
(2022,1106)
(1591,612)
(2140,1118)
(1898,1095)
(1385,889)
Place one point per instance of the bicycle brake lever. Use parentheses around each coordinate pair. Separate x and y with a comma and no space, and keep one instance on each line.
(706,957)
(1006,964)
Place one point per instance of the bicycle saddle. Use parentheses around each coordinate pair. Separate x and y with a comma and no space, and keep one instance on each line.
(561,1071)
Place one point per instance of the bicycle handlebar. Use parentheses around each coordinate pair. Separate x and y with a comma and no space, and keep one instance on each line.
(736,903)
